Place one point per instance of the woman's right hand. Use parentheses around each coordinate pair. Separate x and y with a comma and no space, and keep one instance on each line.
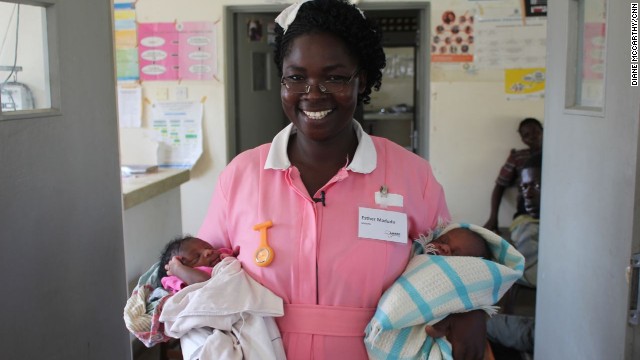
(467,333)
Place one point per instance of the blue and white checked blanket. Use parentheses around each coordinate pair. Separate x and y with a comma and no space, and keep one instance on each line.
(432,287)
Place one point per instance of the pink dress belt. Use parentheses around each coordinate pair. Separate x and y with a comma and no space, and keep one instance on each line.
(324,320)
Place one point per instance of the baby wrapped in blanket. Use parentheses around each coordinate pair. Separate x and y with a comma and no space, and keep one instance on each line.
(460,277)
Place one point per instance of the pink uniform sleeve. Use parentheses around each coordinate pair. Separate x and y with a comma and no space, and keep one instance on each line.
(435,195)
(214,227)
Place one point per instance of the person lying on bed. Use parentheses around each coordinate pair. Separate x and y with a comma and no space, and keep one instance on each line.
(460,268)
(188,260)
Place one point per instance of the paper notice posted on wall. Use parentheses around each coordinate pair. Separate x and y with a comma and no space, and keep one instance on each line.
(130,105)
(178,126)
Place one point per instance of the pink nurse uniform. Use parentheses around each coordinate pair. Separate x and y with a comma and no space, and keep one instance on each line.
(329,278)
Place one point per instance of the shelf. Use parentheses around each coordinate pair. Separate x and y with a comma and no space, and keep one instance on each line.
(388,116)
(140,188)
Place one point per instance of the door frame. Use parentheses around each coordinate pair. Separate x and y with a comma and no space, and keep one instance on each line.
(591,192)
(423,65)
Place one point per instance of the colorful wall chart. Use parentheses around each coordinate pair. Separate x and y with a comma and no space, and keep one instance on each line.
(125,42)
(177,51)
(158,48)
(452,39)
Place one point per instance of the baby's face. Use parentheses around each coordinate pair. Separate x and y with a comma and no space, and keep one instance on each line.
(196,252)
(458,242)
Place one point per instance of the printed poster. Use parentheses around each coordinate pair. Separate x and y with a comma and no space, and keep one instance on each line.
(453,37)
(522,84)
(197,51)
(158,48)
(504,40)
(177,51)
(178,127)
(130,105)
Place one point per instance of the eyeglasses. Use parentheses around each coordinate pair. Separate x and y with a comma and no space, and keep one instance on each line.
(326,87)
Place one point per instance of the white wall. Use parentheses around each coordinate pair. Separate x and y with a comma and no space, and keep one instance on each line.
(473,128)
(467,110)
(148,227)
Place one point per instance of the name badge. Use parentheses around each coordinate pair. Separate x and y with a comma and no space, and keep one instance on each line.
(388,199)
(382,225)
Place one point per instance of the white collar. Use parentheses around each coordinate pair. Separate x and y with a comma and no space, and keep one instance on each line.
(364,160)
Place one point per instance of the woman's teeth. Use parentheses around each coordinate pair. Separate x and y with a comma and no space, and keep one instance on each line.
(316,115)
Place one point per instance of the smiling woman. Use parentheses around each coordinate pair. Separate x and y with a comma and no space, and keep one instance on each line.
(316,181)
(316,114)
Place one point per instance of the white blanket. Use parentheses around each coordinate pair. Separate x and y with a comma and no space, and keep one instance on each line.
(227,317)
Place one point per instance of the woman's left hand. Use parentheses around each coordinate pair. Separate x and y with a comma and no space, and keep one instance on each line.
(467,333)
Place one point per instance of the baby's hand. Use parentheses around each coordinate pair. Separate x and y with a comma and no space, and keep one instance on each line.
(236,251)
(173,264)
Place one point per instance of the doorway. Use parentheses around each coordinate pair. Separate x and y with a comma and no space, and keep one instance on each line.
(391,113)
(259,115)
(254,109)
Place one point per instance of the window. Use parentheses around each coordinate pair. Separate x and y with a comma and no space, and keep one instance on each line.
(25,81)
(585,68)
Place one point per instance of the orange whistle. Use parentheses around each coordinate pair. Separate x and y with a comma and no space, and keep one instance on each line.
(264,253)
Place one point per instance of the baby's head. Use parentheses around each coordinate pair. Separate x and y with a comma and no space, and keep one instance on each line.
(193,252)
(460,242)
